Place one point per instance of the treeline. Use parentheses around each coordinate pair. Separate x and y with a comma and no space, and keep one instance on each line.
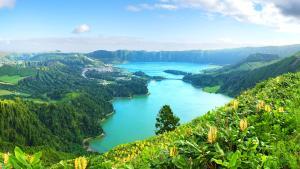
(21,70)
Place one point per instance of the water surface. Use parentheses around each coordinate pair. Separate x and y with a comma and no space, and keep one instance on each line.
(135,118)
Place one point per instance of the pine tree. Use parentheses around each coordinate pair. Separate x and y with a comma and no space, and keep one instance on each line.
(166,120)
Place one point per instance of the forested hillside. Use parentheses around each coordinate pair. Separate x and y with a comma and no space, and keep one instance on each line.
(221,57)
(232,81)
(47,102)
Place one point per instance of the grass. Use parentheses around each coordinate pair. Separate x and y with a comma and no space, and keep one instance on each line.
(5,92)
(212,89)
(10,79)
(72,95)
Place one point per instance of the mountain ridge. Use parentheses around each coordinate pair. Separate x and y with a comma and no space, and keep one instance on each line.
(220,56)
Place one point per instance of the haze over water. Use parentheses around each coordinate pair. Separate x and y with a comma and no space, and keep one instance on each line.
(135,118)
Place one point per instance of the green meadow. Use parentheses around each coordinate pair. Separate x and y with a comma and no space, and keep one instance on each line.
(11,79)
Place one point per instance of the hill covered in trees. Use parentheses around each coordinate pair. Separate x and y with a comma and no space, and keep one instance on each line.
(48,103)
(232,80)
(220,57)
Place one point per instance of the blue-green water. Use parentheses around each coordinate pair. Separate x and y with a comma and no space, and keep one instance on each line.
(135,118)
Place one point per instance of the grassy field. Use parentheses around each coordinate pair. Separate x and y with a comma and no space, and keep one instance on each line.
(212,89)
(5,92)
(10,79)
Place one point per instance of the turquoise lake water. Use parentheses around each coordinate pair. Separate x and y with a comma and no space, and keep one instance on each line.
(135,118)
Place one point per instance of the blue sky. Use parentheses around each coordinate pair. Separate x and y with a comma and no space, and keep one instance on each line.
(84,25)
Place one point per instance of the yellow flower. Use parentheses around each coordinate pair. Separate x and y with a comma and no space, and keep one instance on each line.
(280,110)
(268,108)
(212,135)
(173,152)
(243,124)
(80,163)
(260,105)
(235,104)
(5,158)
(278,79)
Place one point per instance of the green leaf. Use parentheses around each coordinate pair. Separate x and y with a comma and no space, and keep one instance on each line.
(36,158)
(233,159)
(219,149)
(21,157)
(15,163)
(129,167)
(220,162)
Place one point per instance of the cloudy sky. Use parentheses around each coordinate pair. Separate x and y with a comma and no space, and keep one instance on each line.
(86,25)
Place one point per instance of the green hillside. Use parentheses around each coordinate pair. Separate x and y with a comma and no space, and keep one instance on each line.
(232,82)
(54,108)
(12,74)
(257,130)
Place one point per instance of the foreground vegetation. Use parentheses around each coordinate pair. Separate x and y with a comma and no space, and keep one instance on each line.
(257,130)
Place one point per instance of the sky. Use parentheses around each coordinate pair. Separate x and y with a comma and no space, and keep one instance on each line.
(88,25)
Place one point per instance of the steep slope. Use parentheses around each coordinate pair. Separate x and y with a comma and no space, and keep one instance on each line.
(257,130)
(221,56)
(61,126)
(22,127)
(233,82)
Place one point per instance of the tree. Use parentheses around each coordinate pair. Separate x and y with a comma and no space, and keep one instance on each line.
(166,120)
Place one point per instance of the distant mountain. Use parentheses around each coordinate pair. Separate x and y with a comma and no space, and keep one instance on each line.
(222,56)
(252,62)
(233,82)
(261,57)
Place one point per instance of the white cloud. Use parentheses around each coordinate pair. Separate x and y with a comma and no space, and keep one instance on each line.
(82,29)
(165,6)
(133,8)
(7,3)
(282,15)
(145,6)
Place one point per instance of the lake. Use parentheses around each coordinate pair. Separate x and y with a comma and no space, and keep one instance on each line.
(135,117)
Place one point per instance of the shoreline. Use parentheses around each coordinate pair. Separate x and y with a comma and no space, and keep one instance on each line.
(107,116)
(129,97)
(86,142)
